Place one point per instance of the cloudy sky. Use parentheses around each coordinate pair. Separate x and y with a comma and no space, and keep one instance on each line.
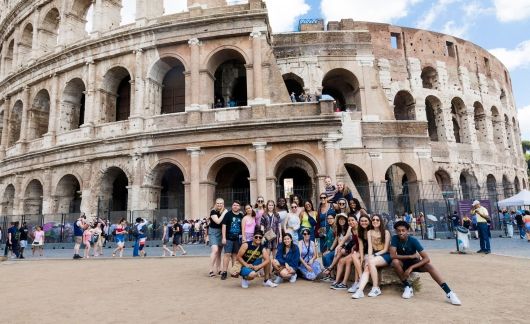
(500,26)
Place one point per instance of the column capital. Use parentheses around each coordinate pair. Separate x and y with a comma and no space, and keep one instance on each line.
(255,34)
(194,150)
(138,51)
(89,61)
(259,145)
(194,42)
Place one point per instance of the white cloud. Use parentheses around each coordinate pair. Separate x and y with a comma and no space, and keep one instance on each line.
(284,13)
(523,115)
(433,13)
(512,10)
(519,57)
(454,29)
(369,10)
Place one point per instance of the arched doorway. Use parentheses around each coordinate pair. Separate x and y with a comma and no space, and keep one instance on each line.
(429,78)
(402,191)
(444,182)
(231,178)
(507,187)
(116,94)
(343,86)
(480,122)
(114,196)
(72,106)
(68,195)
(404,106)
(294,84)
(302,171)
(171,181)
(459,117)
(491,184)
(15,123)
(39,115)
(469,185)
(361,185)
(435,120)
(169,86)
(230,78)
(33,198)
(8,200)
(49,31)
(517,185)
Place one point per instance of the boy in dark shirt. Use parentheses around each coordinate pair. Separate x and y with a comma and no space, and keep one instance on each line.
(231,233)
(408,255)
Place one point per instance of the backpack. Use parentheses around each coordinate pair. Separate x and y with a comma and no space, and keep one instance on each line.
(135,232)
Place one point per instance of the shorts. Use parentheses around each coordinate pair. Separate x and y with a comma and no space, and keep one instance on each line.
(232,246)
(246,271)
(177,239)
(214,236)
(141,243)
(23,244)
(120,239)
(349,246)
(387,258)
(165,241)
(78,239)
(409,263)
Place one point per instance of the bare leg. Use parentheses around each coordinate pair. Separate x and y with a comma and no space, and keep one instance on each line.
(213,258)
(226,259)
(340,269)
(434,273)
(398,267)
(347,272)
(373,264)
(356,258)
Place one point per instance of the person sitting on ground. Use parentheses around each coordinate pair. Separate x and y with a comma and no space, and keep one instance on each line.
(287,260)
(309,266)
(377,257)
(404,251)
(253,256)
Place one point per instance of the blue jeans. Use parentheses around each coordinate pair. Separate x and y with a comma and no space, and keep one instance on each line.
(483,235)
(327,259)
(522,231)
(246,271)
(135,250)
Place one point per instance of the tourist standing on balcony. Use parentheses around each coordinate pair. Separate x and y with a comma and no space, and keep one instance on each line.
(293,97)
(217,215)
(120,231)
(292,222)
(231,235)
(259,207)
(271,227)
(79,227)
(325,209)
(248,224)
(24,231)
(483,227)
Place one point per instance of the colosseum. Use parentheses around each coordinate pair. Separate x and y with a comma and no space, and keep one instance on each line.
(162,115)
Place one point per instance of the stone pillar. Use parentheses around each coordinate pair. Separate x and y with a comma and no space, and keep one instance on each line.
(54,112)
(89,199)
(91,106)
(261,168)
(329,148)
(47,199)
(257,74)
(135,201)
(148,9)
(195,197)
(35,50)
(194,44)
(25,108)
(136,119)
(5,122)
(106,15)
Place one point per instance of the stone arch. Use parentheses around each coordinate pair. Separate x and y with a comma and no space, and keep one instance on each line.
(507,187)
(169,178)
(230,178)
(79,11)
(516,185)
(116,94)
(302,170)
(169,84)
(496,124)
(113,190)
(3,128)
(8,200)
(68,194)
(509,133)
(435,119)
(15,123)
(294,84)
(480,122)
(361,183)
(39,115)
(444,181)
(469,185)
(429,78)
(26,43)
(460,118)
(228,66)
(33,198)
(491,184)
(404,106)
(72,105)
(343,86)
(9,60)
(49,30)
(402,192)
(503,99)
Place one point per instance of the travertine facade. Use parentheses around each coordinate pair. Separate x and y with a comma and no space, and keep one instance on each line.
(123,117)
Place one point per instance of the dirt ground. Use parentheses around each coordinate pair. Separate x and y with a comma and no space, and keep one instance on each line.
(492,289)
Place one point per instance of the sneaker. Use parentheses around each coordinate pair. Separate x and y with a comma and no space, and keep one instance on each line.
(453,299)
(358,294)
(327,279)
(223,275)
(353,287)
(278,280)
(333,285)
(374,292)
(340,286)
(244,283)
(293,278)
(480,251)
(269,283)
(408,293)
(487,252)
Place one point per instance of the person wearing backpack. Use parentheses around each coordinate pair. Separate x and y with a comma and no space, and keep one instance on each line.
(139,231)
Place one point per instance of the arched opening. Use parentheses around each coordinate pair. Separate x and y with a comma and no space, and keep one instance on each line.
(509,134)
(68,195)
(39,115)
(469,185)
(496,124)
(49,31)
(116,95)
(84,11)
(429,78)
(507,187)
(230,78)
(167,78)
(480,122)
(524,184)
(303,174)
(516,134)
(404,106)
(73,105)
(172,191)
(25,44)
(9,59)
(231,177)
(8,200)
(343,86)
(491,184)
(459,117)
(432,104)
(114,192)
(503,99)
(15,123)
(294,84)
(517,185)
(3,128)
(361,185)
(444,182)
(33,198)
(401,188)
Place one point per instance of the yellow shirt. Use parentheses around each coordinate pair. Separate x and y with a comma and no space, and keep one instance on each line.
(482,211)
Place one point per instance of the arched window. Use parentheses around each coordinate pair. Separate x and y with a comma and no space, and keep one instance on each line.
(39,115)
(404,106)
(429,78)
(48,35)
(15,123)
(343,86)
(496,124)
(73,105)
(459,117)
(294,84)
(168,86)
(25,44)
(117,94)
(435,119)
(480,122)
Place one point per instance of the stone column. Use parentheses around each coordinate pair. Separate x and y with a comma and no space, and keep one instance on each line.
(148,9)
(106,15)
(135,200)
(16,59)
(25,108)
(195,198)
(5,122)
(261,168)
(47,199)
(195,53)
(136,119)
(35,50)
(256,66)
(54,112)
(329,148)
(91,107)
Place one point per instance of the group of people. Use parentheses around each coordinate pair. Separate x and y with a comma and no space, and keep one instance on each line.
(18,237)
(284,239)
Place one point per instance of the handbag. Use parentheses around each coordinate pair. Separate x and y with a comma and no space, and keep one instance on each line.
(236,267)
(270,235)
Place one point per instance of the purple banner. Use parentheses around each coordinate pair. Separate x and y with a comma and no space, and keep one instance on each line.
(465,206)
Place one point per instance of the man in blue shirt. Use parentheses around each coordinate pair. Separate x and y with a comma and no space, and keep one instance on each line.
(231,235)
(408,255)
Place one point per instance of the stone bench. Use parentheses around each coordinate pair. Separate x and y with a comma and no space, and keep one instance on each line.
(387,276)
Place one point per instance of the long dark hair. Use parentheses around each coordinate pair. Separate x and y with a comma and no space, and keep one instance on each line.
(253,214)
(340,229)
(283,244)
(357,204)
(310,203)
(300,200)
(382,226)
(361,232)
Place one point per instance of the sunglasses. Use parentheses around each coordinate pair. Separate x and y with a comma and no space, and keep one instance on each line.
(342,204)
(260,200)
(375,220)
(294,206)
(305,233)
(323,197)
(258,237)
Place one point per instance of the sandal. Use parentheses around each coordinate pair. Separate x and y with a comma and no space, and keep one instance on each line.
(211,274)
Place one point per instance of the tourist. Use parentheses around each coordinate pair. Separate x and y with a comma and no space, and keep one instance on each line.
(12,241)
(520,224)
(356,209)
(325,210)
(298,201)
(291,224)
(455,221)
(197,231)
(186,232)
(293,97)
(191,233)
(120,231)
(342,192)
(377,257)
(341,207)
(100,243)
(167,235)
(253,256)
(95,239)
(281,208)
(349,248)
(87,241)
(404,250)
(79,227)
(271,226)
(308,219)
(483,228)
(248,224)
(177,237)
(287,260)
(259,208)
(217,215)
(309,266)
(331,257)
(38,241)
(466,222)
(231,234)
(329,188)
(140,234)
(526,220)
(23,239)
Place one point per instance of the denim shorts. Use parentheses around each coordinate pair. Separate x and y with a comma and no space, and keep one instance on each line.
(246,271)
(387,258)
(214,234)
(232,246)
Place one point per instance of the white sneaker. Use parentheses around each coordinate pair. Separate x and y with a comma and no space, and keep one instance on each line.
(353,287)
(453,299)
(278,280)
(358,294)
(293,278)
(408,293)
(244,283)
(269,283)
(374,292)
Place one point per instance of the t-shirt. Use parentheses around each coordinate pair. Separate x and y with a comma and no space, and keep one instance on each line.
(177,229)
(39,237)
(14,233)
(186,227)
(250,256)
(212,223)
(482,211)
(408,247)
(519,219)
(24,233)
(455,219)
(233,225)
